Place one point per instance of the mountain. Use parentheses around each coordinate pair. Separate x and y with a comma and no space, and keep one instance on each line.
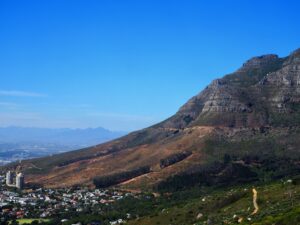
(240,128)
(17,143)
(63,136)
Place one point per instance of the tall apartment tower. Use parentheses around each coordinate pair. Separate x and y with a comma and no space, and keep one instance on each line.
(9,178)
(20,180)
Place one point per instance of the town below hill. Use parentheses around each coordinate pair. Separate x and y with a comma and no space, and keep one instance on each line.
(273,203)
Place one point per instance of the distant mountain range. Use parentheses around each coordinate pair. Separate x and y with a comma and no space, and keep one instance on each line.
(18,143)
(64,136)
(242,127)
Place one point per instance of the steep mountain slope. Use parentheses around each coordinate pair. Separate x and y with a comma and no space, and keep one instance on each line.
(242,127)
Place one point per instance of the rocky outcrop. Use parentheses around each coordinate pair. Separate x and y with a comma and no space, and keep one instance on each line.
(258,62)
(294,58)
(282,87)
(263,90)
(223,98)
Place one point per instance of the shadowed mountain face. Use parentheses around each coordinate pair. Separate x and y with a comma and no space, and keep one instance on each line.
(239,127)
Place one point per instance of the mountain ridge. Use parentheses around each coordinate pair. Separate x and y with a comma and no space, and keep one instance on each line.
(250,116)
(229,94)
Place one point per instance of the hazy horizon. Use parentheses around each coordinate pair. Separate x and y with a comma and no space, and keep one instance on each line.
(61,128)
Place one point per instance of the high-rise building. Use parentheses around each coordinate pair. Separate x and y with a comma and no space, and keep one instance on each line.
(20,181)
(9,178)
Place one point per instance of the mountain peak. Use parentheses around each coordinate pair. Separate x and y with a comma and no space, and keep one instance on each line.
(259,61)
(236,101)
(296,52)
(294,57)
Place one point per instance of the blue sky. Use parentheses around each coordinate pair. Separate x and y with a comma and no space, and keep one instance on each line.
(125,65)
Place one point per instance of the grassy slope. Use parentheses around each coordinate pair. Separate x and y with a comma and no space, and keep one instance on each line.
(28,221)
(279,204)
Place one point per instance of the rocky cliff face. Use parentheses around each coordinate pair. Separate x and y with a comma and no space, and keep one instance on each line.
(259,62)
(263,89)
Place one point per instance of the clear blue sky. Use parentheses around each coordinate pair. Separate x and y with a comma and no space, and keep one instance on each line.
(124,65)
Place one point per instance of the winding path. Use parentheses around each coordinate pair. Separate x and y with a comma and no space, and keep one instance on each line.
(256,208)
